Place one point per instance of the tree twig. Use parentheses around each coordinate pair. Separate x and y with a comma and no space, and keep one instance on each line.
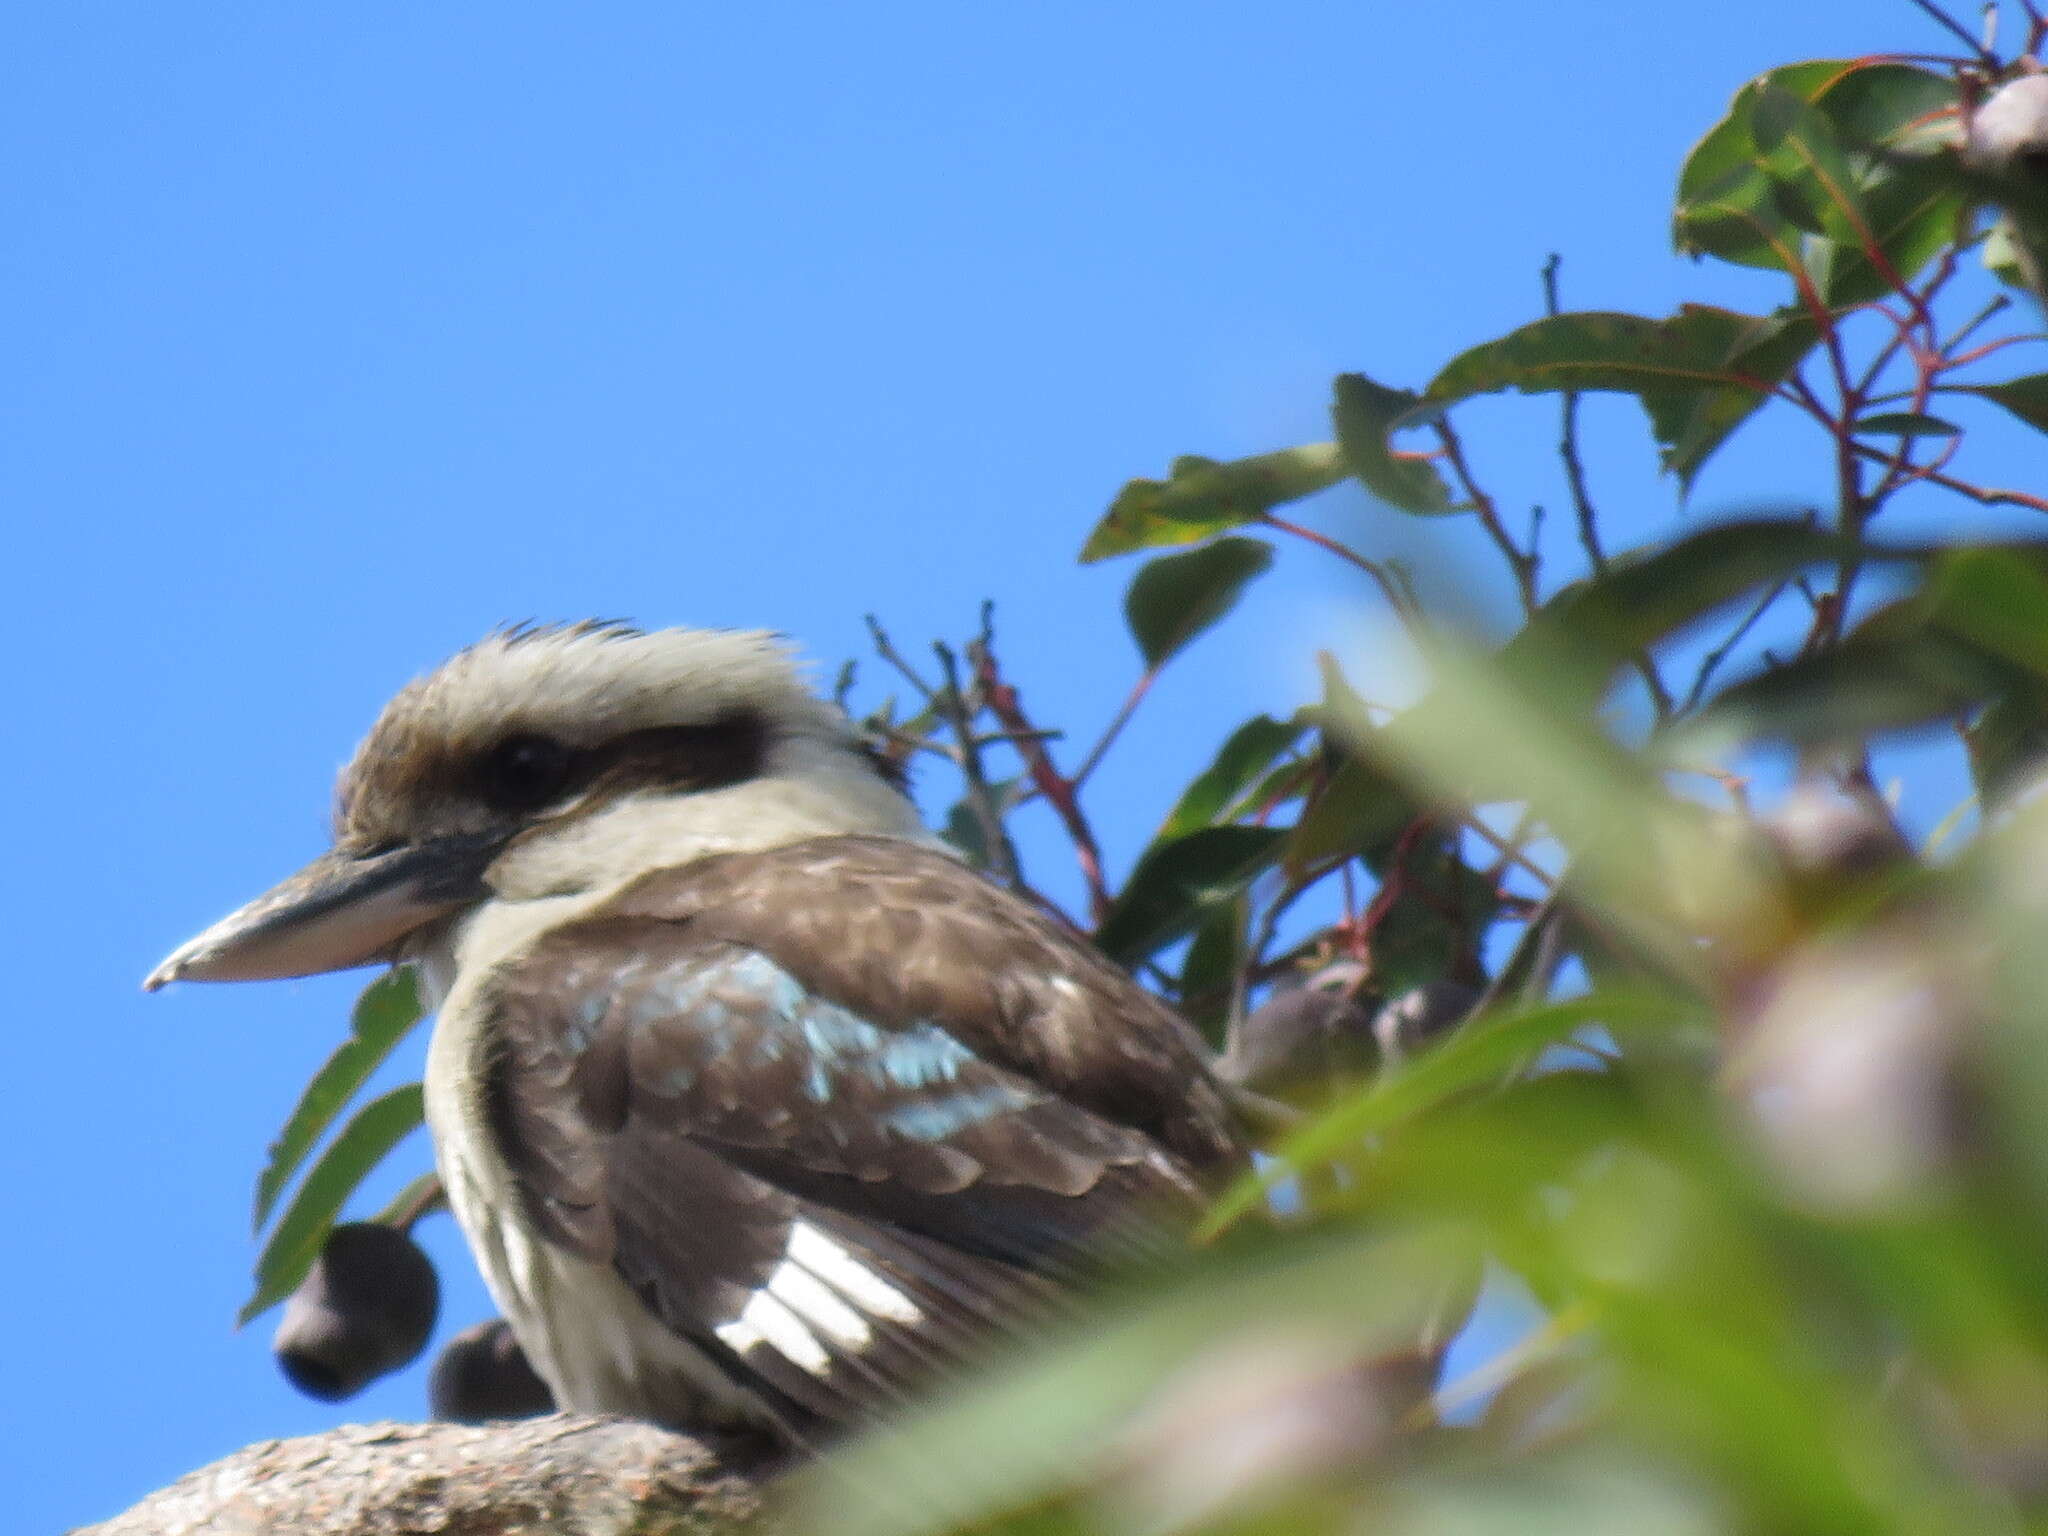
(1521,564)
(1568,441)
(1711,662)
(1002,701)
(1525,961)
(1983,495)
(1969,327)
(1383,576)
(981,797)
(426,1196)
(1115,727)
(886,649)
(1956,29)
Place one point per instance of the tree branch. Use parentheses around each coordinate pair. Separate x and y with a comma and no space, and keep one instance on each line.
(594,1476)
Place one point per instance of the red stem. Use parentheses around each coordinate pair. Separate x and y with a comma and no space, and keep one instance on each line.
(1058,790)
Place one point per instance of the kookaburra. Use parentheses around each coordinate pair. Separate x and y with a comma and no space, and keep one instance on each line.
(754,1104)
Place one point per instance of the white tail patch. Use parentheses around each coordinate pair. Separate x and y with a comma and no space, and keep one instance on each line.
(768,1321)
(830,1262)
(818,1304)
(809,1293)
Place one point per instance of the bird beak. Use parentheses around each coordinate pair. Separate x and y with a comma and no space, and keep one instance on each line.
(342,910)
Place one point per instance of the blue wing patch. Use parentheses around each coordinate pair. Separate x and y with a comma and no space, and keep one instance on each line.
(746,1011)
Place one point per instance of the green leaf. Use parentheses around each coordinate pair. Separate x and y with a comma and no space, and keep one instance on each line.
(964,831)
(1063,1411)
(1175,597)
(1973,641)
(1585,350)
(1869,686)
(1729,205)
(1238,763)
(1178,882)
(1432,929)
(295,1242)
(2026,398)
(384,1013)
(1365,413)
(1485,734)
(2004,255)
(1573,646)
(1210,970)
(1813,165)
(1728,147)
(1479,1051)
(1757,351)
(1744,223)
(1887,105)
(1803,157)
(1911,211)
(2008,743)
(1203,497)
(1358,809)
(1996,598)
(1906,424)
(1699,374)
(1641,600)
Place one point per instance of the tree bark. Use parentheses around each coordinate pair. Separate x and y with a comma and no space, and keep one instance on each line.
(565,1475)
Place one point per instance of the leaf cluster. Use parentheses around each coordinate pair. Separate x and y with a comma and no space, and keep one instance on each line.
(1748,1107)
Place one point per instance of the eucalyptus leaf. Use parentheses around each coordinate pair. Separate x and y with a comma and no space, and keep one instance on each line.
(1058,1416)
(1356,810)
(1728,206)
(2025,397)
(384,1014)
(1177,882)
(1998,598)
(1473,1054)
(1203,497)
(1757,352)
(1175,597)
(1906,424)
(966,829)
(1889,105)
(1250,750)
(1910,211)
(2008,743)
(1365,413)
(1210,969)
(1804,174)
(1869,686)
(420,1196)
(1485,734)
(1729,147)
(1802,155)
(295,1241)
(1699,373)
(1432,929)
(1574,645)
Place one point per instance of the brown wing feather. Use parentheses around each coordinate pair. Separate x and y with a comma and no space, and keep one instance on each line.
(903,933)
(952,1091)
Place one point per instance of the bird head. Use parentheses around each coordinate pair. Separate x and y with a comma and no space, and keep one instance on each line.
(555,761)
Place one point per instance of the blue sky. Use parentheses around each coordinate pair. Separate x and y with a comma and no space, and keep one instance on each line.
(336,336)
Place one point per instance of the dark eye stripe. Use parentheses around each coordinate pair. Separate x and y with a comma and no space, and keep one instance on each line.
(528,771)
(687,757)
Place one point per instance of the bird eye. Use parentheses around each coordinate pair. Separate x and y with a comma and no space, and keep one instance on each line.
(525,772)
